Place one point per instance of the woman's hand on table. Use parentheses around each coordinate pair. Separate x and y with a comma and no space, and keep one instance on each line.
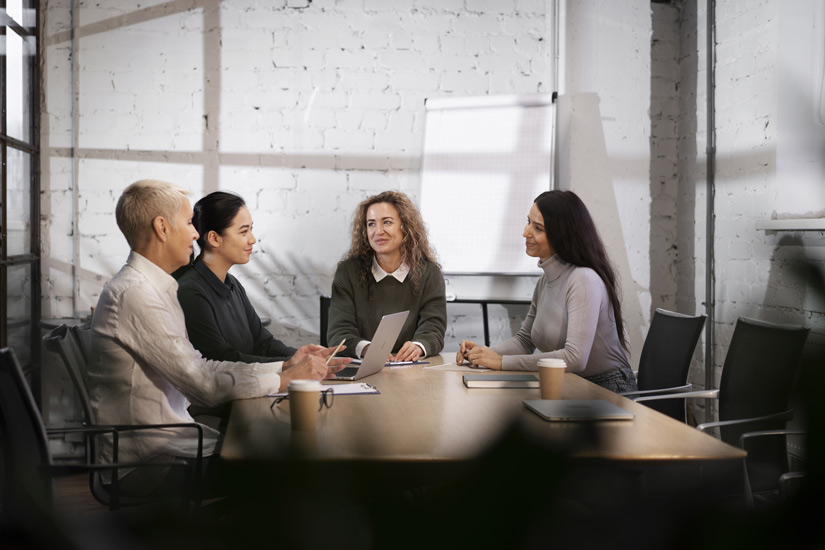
(464,347)
(408,352)
(482,356)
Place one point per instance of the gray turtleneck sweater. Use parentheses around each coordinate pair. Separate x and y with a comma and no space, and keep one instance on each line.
(570,318)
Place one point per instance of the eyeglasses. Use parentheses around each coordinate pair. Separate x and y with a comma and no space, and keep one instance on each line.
(327,397)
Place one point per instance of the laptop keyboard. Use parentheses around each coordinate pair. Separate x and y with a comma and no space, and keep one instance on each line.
(345,372)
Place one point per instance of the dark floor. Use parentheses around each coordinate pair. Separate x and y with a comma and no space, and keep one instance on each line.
(73,497)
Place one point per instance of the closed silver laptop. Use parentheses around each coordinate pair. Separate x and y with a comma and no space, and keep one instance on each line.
(568,410)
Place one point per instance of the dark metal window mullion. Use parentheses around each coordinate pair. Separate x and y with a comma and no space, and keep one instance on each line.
(3,188)
(34,177)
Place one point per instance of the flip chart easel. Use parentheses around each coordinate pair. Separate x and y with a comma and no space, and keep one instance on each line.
(485,159)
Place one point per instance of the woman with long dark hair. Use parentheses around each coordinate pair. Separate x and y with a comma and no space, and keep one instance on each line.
(576,310)
(390,267)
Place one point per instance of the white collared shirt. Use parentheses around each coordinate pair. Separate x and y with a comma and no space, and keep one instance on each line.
(144,370)
(399,274)
(379,274)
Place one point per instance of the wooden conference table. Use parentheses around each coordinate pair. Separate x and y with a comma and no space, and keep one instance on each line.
(431,463)
(428,416)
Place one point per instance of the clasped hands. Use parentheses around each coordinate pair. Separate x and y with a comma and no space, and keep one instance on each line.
(477,356)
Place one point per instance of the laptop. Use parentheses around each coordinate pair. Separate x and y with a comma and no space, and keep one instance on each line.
(567,410)
(380,348)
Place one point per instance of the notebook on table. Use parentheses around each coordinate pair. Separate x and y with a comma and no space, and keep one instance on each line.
(380,348)
(501,380)
(570,410)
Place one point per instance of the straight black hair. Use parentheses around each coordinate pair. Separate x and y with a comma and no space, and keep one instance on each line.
(215,212)
(574,237)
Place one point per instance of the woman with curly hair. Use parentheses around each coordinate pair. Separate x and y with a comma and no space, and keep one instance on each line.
(576,312)
(390,267)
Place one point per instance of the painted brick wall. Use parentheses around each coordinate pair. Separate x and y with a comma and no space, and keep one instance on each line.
(665,114)
(609,54)
(774,277)
(304,108)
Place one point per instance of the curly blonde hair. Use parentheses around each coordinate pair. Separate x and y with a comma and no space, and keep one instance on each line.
(415,245)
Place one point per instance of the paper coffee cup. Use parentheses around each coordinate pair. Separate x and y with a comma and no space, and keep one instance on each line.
(551,377)
(304,401)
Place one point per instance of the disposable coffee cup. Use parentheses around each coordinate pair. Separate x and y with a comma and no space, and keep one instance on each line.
(551,377)
(304,402)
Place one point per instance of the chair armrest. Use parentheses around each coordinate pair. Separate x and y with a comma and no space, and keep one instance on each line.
(784,415)
(707,394)
(70,468)
(139,427)
(675,389)
(116,429)
(763,433)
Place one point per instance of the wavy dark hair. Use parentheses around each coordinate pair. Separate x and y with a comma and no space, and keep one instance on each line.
(574,237)
(215,212)
(415,246)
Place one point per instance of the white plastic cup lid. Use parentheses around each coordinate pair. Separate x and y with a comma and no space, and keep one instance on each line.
(552,363)
(304,385)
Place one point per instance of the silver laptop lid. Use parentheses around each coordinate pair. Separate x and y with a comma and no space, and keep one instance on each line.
(380,346)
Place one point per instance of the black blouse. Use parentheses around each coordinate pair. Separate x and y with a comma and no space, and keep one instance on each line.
(220,321)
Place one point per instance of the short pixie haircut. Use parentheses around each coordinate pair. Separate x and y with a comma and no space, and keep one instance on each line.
(142,202)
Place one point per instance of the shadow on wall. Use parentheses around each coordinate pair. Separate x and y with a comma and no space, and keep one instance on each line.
(585,168)
(804,280)
(287,289)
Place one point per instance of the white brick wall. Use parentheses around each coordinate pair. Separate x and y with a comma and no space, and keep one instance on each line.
(307,108)
(772,277)
(303,108)
(609,54)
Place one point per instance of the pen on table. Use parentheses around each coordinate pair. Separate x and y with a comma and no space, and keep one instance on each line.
(396,363)
(336,351)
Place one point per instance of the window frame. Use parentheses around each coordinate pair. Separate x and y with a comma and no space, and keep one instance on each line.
(30,258)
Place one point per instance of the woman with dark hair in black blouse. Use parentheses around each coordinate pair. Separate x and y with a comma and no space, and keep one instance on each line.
(220,321)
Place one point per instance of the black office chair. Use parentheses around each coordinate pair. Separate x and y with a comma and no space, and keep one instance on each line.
(325,303)
(665,360)
(26,494)
(28,468)
(760,474)
(73,345)
(759,371)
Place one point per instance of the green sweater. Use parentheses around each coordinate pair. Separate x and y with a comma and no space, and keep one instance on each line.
(355,317)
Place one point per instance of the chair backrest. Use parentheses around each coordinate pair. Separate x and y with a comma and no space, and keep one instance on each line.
(325,302)
(66,342)
(758,375)
(666,356)
(26,451)
(83,338)
(73,344)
